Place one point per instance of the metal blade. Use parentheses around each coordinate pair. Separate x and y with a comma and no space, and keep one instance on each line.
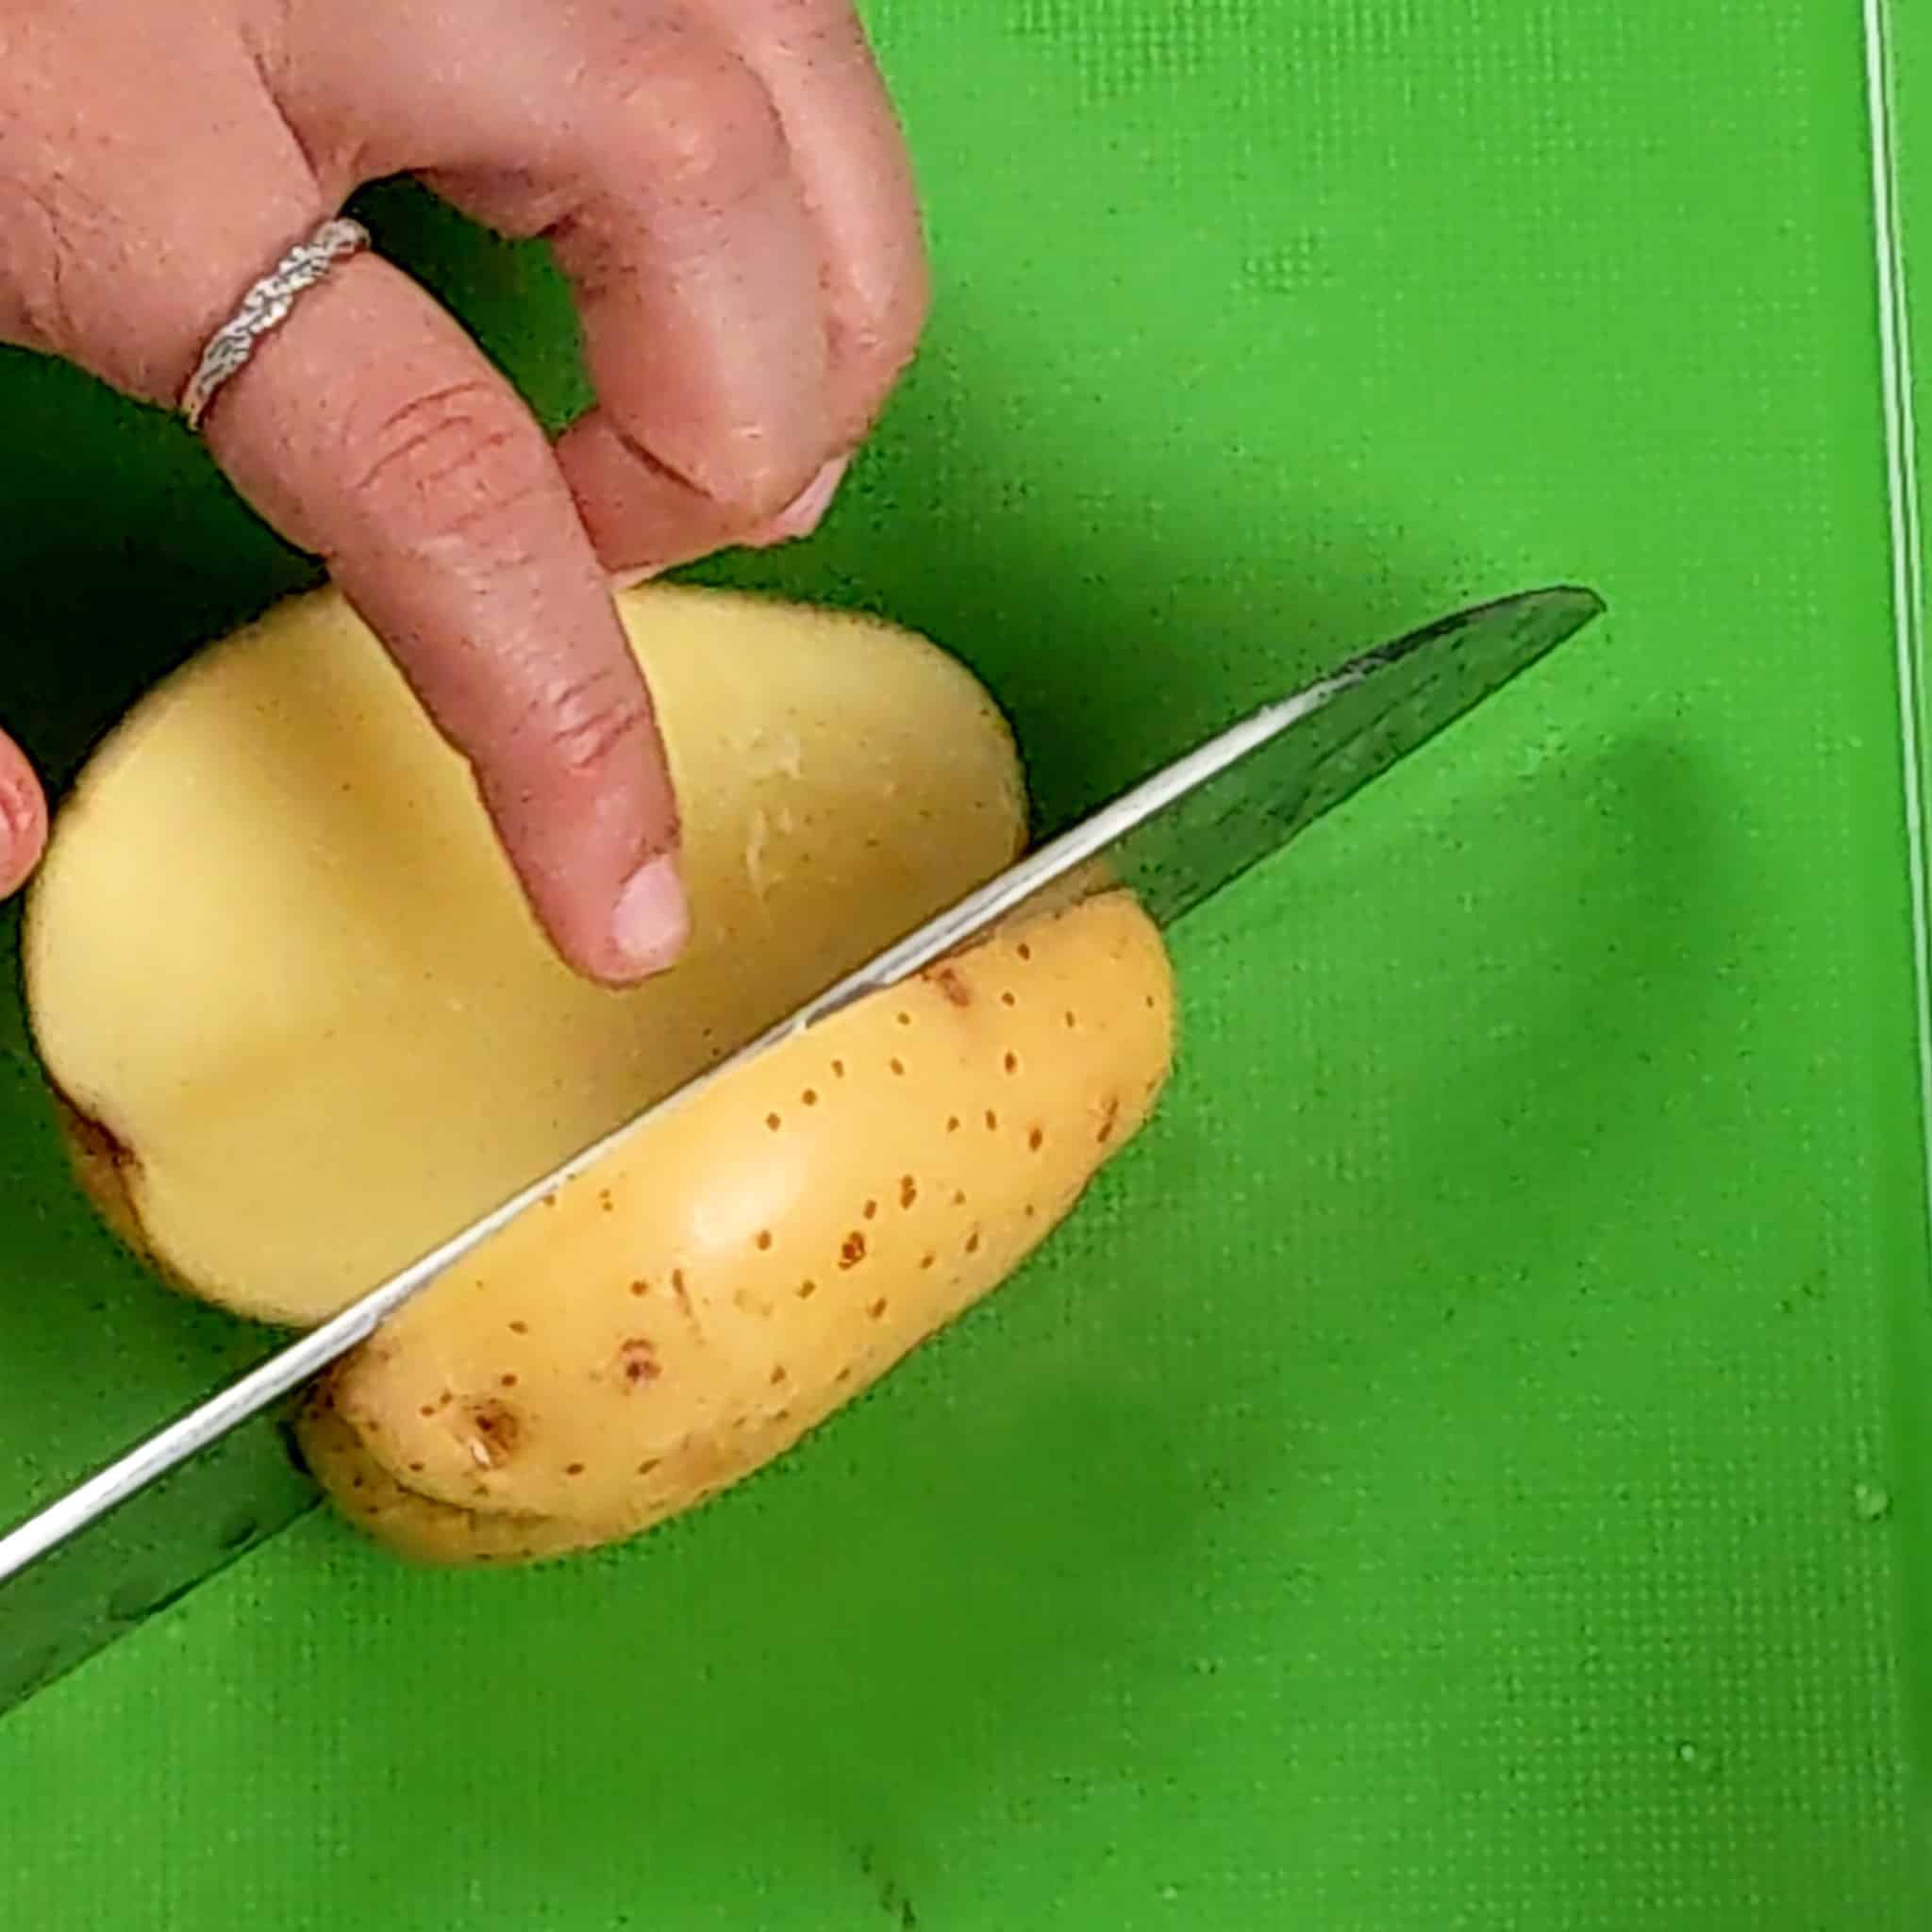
(1175,838)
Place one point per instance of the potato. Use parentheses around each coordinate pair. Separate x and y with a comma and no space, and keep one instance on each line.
(724,1277)
(290,995)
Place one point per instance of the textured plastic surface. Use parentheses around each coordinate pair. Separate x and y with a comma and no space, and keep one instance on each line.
(1446,1477)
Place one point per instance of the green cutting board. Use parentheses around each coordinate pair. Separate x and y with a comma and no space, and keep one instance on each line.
(1458,1469)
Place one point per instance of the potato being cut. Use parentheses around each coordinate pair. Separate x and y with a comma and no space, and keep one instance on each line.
(285,982)
(734,1271)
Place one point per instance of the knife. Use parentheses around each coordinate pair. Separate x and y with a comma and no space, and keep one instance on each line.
(218,1481)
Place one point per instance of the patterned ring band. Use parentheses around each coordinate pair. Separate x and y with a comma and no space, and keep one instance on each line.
(265,307)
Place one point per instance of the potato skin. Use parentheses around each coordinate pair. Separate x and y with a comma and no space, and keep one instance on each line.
(743,1266)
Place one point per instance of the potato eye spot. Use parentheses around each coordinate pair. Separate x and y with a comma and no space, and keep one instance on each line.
(1025,951)
(853,1252)
(506,1381)
(1037,1139)
(765,1236)
(1008,999)
(573,1469)
(959,1197)
(908,1191)
(519,1328)
(927,1261)
(992,1122)
(952,1123)
(878,1309)
(638,1362)
(648,1464)
(772,1122)
(897,1065)
(780,1375)
(807,1289)
(838,1069)
(905,1019)
(494,1430)
(972,1243)
(809,1096)
(641,1287)
(1011,1063)
(1072,1023)
(872,1210)
(428,1409)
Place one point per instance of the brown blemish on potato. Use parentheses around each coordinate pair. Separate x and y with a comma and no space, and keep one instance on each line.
(904,1018)
(494,1430)
(992,1122)
(908,1191)
(807,1289)
(550,1199)
(637,1361)
(1010,998)
(897,1065)
(1011,1062)
(1035,1140)
(648,1464)
(506,1381)
(959,1197)
(605,1202)
(1072,1023)
(972,1243)
(957,992)
(772,1122)
(838,1069)
(927,1261)
(853,1252)
(878,1309)
(952,1123)
(428,1409)
(1107,1124)
(679,1289)
(746,1302)
(641,1287)
(104,1165)
(780,1375)
(764,1237)
(573,1469)
(870,1211)
(519,1328)
(811,1097)
(1025,951)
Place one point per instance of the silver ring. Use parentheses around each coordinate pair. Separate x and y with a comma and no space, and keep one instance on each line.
(265,307)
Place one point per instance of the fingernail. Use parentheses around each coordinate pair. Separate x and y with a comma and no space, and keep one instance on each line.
(806,512)
(652,919)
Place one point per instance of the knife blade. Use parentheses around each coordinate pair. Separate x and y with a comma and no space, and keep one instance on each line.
(217,1480)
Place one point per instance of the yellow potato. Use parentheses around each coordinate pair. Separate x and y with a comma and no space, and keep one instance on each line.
(729,1274)
(283,979)
(416,1526)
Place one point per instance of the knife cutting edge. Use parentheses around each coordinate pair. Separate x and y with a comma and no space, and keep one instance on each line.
(1175,838)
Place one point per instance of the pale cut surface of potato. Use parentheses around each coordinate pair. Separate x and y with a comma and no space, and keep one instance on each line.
(726,1277)
(276,960)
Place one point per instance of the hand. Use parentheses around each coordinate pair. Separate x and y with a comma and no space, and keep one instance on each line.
(726,186)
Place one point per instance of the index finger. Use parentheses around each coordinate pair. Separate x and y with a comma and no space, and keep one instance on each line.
(372,430)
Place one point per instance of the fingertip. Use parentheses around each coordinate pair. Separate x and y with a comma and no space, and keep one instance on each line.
(651,924)
(23,819)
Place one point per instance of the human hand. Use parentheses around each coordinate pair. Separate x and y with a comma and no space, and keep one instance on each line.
(725,184)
